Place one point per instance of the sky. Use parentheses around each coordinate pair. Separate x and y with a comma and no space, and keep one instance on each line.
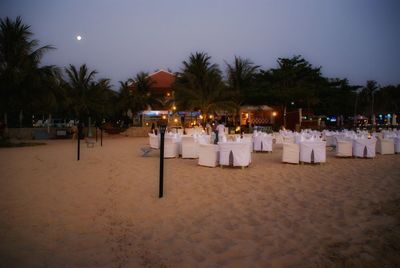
(354,39)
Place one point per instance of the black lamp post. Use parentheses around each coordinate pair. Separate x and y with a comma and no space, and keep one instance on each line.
(162,124)
(80,128)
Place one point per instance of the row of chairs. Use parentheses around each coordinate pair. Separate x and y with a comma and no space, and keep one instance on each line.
(307,152)
(366,147)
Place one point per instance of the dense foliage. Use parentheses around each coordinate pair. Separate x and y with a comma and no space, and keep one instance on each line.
(29,90)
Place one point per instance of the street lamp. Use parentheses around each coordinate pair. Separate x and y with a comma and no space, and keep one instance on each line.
(162,124)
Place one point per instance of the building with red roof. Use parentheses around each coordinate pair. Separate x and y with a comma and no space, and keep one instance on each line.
(162,81)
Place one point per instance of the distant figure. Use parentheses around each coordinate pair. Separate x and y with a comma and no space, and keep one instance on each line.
(153,127)
(74,131)
(220,129)
(208,128)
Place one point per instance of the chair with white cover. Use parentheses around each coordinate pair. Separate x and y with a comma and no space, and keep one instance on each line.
(384,146)
(171,147)
(364,147)
(249,141)
(154,141)
(240,153)
(330,140)
(291,153)
(278,138)
(396,144)
(204,139)
(263,143)
(189,147)
(316,148)
(344,147)
(208,155)
(288,139)
(189,131)
(180,131)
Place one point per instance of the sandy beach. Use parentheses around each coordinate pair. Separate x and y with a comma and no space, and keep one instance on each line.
(104,210)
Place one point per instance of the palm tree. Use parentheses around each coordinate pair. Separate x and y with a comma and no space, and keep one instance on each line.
(142,96)
(199,86)
(89,98)
(370,90)
(125,97)
(50,97)
(79,84)
(19,64)
(241,77)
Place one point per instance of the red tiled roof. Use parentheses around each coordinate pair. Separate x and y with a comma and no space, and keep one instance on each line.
(162,79)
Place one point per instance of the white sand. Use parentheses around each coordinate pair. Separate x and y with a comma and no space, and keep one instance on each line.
(104,211)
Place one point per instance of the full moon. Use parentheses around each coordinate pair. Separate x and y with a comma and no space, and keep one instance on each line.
(79,38)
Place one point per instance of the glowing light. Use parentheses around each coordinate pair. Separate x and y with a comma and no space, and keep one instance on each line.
(274,113)
(147,124)
(174,107)
(201,116)
(168,94)
(164,117)
(78,37)
(176,120)
(211,116)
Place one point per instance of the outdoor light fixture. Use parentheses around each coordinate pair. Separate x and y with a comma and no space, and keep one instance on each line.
(176,120)
(174,107)
(162,124)
(168,94)
(164,117)
(201,116)
(274,113)
(211,116)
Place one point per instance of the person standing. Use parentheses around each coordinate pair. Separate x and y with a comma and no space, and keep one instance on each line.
(220,129)
(208,128)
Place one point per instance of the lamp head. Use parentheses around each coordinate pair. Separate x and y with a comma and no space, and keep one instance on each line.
(162,124)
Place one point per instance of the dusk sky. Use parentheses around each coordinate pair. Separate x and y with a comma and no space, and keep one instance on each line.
(354,39)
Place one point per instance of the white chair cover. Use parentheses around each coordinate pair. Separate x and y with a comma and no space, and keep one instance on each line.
(359,145)
(397,145)
(278,138)
(171,147)
(385,146)
(290,153)
(240,151)
(249,141)
(263,143)
(330,140)
(308,147)
(288,139)
(208,155)
(180,131)
(154,141)
(344,147)
(204,139)
(189,147)
(189,131)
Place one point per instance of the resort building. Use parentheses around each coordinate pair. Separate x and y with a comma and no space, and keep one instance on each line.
(161,88)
